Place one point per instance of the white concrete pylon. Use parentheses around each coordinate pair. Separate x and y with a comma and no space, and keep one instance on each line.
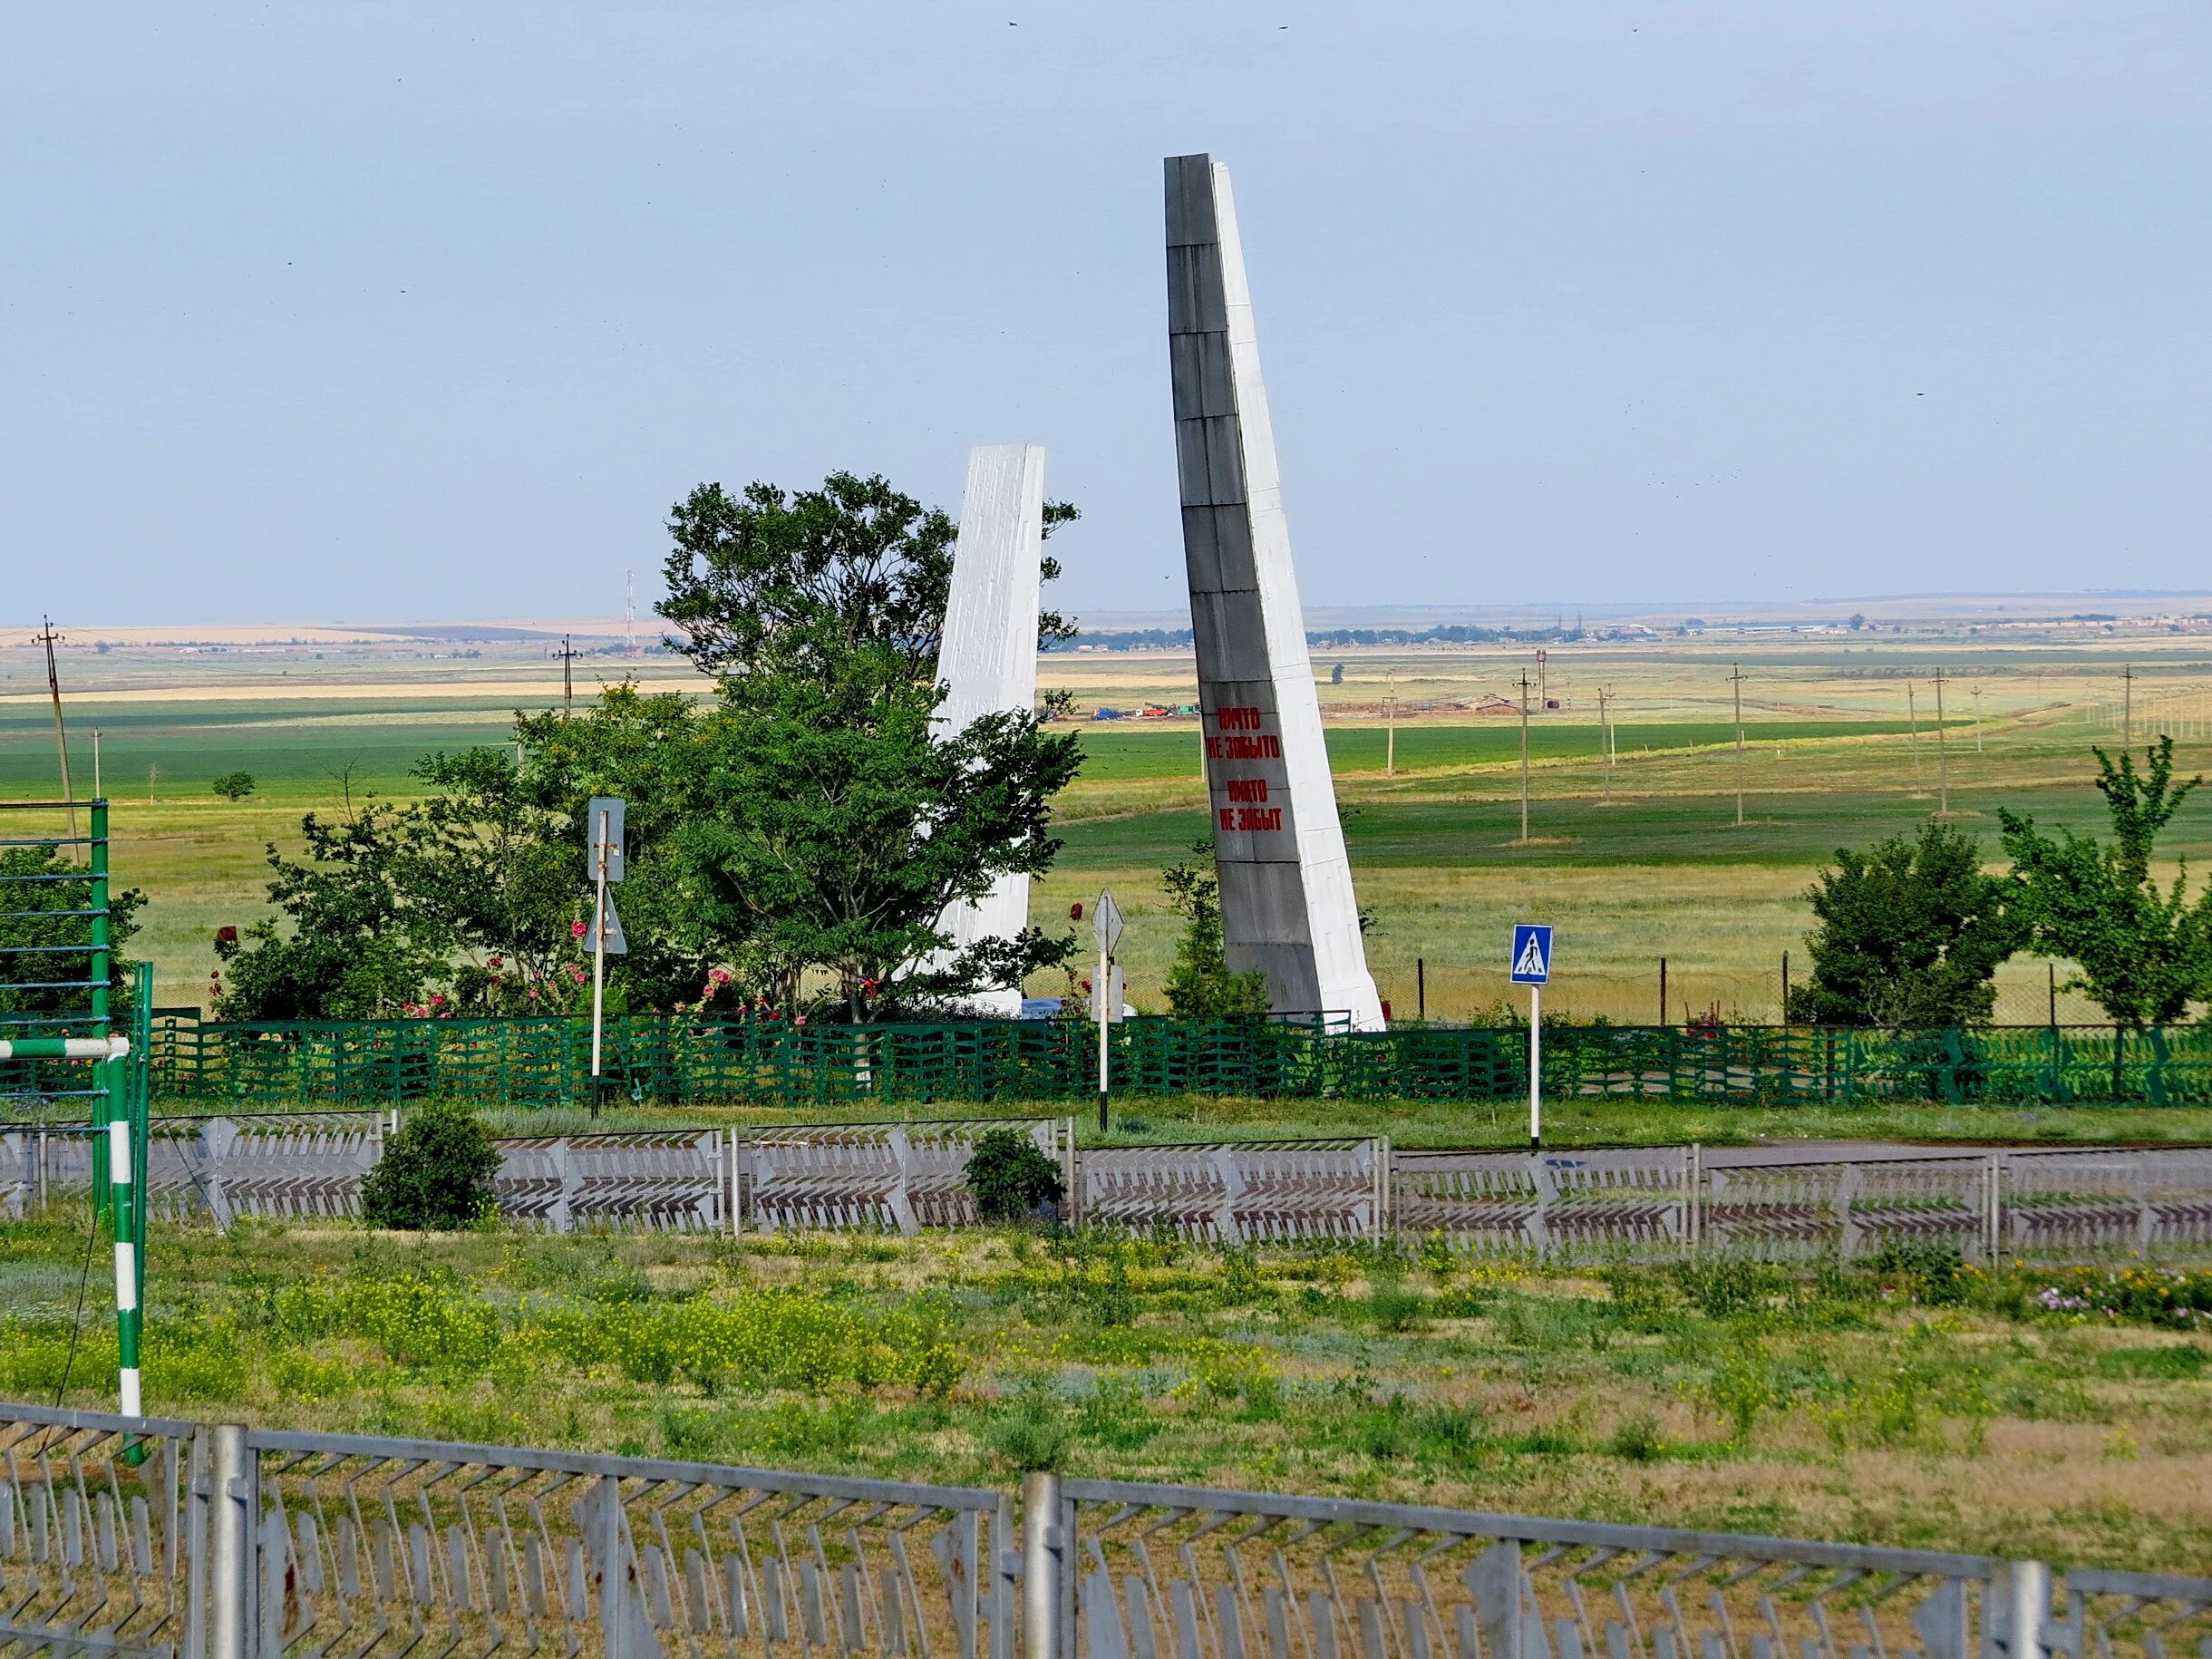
(1288,904)
(988,660)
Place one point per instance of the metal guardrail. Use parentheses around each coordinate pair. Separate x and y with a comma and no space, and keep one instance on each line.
(2061,1204)
(901,1175)
(376,1548)
(1164,1572)
(153,1538)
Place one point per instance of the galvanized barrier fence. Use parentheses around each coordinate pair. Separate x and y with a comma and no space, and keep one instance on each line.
(152,1538)
(676,1059)
(298,1166)
(1610,1203)
(1163,1572)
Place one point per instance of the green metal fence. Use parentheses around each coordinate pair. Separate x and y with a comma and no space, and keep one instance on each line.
(681,1058)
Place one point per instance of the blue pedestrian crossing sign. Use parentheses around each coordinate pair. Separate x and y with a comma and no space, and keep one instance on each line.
(1531,953)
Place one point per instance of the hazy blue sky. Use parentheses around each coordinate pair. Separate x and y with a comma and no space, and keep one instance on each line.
(398,311)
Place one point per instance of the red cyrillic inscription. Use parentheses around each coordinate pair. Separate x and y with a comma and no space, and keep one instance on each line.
(1264,748)
(1247,789)
(1238,719)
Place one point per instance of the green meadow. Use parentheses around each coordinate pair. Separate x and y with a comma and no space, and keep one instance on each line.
(1633,861)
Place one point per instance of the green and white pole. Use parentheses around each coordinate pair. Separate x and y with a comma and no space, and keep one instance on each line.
(123,1199)
(125,1212)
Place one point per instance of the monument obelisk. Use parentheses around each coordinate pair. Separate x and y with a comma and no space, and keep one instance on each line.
(1287,905)
(987,661)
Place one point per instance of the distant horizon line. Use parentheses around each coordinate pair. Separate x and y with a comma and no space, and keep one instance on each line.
(1386,614)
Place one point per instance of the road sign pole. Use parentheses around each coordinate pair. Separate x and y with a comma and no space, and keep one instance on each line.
(1104,983)
(1535,1067)
(1105,1001)
(598,976)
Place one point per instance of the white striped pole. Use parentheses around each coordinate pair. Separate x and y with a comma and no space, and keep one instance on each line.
(122,1179)
(63,1048)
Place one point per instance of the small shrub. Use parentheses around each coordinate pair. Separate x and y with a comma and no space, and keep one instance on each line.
(1011,1177)
(1394,1307)
(1032,1433)
(1117,1416)
(1638,1439)
(435,1174)
(1725,1289)
(1924,1269)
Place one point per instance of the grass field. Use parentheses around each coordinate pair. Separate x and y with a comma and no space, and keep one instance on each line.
(1914,1407)
(1660,868)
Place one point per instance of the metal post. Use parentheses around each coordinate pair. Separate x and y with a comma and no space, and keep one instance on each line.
(1535,1067)
(1943,755)
(232,1503)
(1421,987)
(1785,987)
(1042,1551)
(1524,756)
(1104,989)
(122,1199)
(1697,1197)
(2028,1600)
(1737,676)
(98,971)
(598,965)
(1662,990)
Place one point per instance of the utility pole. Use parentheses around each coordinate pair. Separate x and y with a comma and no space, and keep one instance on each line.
(1737,677)
(1912,716)
(568,655)
(1540,693)
(1390,727)
(1524,711)
(629,610)
(2127,706)
(1943,754)
(1978,719)
(46,636)
(1605,737)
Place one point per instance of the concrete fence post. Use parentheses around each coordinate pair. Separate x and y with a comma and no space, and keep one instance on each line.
(231,1505)
(1043,1563)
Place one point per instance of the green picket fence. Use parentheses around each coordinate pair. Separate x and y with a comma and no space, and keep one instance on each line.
(678,1059)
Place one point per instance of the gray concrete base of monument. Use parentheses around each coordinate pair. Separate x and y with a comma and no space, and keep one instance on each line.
(988,660)
(1288,904)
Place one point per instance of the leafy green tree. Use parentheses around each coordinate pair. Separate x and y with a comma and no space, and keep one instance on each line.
(2143,952)
(47,920)
(234,785)
(361,943)
(1199,985)
(830,812)
(1910,933)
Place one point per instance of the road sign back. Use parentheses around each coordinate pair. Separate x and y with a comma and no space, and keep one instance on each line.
(1531,958)
(1106,924)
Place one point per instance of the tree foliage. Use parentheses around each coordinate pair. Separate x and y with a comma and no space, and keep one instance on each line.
(354,936)
(2143,952)
(47,893)
(435,1174)
(234,785)
(1011,1176)
(811,819)
(1200,985)
(1910,933)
